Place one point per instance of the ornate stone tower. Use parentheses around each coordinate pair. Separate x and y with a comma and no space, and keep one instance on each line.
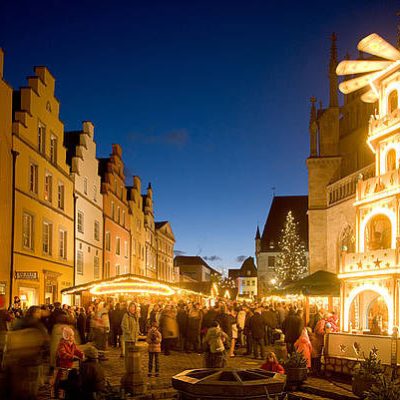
(323,165)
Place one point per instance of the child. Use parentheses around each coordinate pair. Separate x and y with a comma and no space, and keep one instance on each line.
(154,340)
(215,348)
(67,351)
(272,364)
(303,345)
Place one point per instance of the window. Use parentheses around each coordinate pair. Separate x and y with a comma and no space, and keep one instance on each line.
(123,217)
(391,160)
(393,101)
(95,193)
(96,268)
(85,185)
(41,138)
(112,210)
(96,230)
(271,261)
(115,186)
(61,193)
(79,262)
(53,149)
(118,214)
(378,233)
(126,249)
(80,221)
(117,269)
(62,244)
(47,234)
(118,246)
(108,241)
(27,231)
(33,178)
(48,187)
(107,269)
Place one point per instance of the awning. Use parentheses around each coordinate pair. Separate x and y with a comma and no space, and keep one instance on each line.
(320,283)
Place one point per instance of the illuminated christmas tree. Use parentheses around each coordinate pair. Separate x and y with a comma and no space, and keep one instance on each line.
(291,262)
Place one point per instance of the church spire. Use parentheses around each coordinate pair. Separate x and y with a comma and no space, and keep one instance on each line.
(333,80)
(258,236)
(313,129)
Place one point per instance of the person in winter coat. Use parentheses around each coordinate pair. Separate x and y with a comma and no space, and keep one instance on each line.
(257,328)
(181,318)
(214,343)
(271,322)
(81,325)
(225,321)
(169,328)
(91,375)
(193,327)
(153,339)
(303,345)
(292,327)
(272,364)
(67,351)
(129,326)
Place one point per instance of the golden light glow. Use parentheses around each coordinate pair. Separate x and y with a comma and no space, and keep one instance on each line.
(382,291)
(371,272)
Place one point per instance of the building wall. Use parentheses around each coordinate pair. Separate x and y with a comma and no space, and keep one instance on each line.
(138,237)
(89,203)
(165,254)
(114,198)
(52,268)
(5,182)
(150,237)
(247,286)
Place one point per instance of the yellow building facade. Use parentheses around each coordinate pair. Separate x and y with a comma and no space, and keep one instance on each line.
(6,184)
(165,241)
(137,231)
(44,206)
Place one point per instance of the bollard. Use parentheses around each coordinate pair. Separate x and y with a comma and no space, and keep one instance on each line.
(133,380)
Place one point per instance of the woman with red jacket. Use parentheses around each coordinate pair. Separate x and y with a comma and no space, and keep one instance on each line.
(272,364)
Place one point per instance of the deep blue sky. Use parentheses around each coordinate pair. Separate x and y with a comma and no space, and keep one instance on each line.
(209,99)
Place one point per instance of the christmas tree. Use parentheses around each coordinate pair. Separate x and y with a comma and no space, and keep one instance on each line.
(291,262)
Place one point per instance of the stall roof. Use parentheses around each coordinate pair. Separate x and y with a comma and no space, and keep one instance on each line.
(320,283)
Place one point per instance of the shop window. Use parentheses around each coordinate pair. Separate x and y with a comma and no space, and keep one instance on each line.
(378,233)
(392,101)
(391,160)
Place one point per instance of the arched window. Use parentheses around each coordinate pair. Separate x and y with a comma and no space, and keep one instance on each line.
(391,160)
(393,101)
(378,233)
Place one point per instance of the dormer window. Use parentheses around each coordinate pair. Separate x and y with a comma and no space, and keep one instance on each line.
(391,160)
(393,102)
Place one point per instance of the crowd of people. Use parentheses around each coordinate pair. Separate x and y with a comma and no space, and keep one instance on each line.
(63,334)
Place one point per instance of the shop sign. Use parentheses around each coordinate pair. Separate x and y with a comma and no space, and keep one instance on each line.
(27,275)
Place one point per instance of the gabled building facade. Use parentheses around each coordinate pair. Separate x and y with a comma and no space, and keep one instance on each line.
(165,241)
(115,213)
(195,268)
(81,156)
(150,262)
(137,229)
(267,243)
(6,194)
(245,278)
(44,207)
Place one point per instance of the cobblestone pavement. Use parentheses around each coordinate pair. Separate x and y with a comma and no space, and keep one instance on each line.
(179,361)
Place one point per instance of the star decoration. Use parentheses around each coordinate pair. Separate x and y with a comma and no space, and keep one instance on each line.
(359,265)
(377,263)
(343,348)
(374,351)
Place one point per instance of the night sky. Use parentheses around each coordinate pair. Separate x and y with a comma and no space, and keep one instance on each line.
(209,99)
